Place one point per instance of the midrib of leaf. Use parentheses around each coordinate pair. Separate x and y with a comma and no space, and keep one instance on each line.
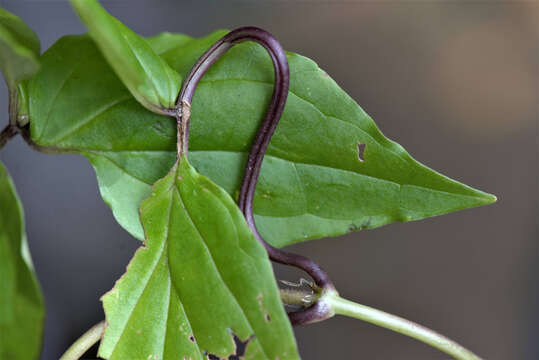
(216,268)
(171,287)
(143,65)
(152,274)
(167,313)
(294,164)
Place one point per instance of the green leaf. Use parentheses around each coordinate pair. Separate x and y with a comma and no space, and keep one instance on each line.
(19,49)
(21,304)
(312,183)
(151,81)
(200,279)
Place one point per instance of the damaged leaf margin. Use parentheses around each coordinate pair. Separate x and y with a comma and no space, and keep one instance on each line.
(200,278)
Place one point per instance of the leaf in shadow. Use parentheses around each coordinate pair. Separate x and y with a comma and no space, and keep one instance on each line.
(21,304)
(19,49)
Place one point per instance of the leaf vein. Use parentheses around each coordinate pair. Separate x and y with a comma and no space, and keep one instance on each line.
(209,81)
(90,118)
(64,82)
(216,267)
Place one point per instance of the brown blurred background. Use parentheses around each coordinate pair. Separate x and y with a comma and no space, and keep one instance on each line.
(456,83)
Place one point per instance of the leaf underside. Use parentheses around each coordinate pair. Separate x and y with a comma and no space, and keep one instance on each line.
(21,302)
(200,285)
(328,169)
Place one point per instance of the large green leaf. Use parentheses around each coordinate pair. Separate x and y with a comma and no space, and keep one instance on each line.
(200,283)
(21,303)
(19,49)
(151,81)
(313,183)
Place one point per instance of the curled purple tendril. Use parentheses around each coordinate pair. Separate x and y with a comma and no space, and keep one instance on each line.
(318,311)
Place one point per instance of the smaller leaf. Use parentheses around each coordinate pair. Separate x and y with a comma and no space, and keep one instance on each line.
(148,77)
(19,49)
(21,302)
(201,284)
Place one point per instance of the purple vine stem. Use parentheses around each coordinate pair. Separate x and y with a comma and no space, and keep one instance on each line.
(318,311)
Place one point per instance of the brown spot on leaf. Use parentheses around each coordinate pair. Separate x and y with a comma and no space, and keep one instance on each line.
(192,338)
(360,151)
(261,305)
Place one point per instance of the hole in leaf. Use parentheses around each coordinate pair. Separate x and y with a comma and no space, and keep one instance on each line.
(364,225)
(360,151)
(239,352)
(241,347)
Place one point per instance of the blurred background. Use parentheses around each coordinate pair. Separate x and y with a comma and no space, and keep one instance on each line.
(456,83)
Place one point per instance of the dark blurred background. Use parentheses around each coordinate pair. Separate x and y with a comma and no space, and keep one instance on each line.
(456,83)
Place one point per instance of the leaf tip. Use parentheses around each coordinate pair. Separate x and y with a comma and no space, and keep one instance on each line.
(489,199)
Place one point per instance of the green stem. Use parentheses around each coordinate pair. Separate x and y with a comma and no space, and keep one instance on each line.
(85,342)
(398,324)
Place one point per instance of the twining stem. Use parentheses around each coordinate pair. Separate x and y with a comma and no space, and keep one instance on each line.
(85,342)
(348,308)
(258,149)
